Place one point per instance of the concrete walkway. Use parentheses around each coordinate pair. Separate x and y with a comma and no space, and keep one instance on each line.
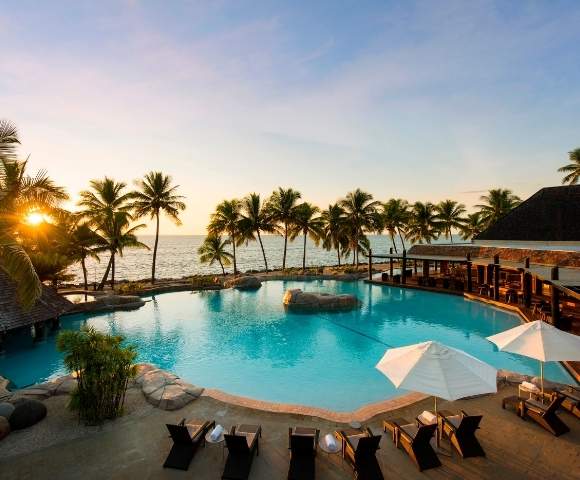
(136,445)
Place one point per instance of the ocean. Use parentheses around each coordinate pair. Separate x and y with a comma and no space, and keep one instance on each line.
(177,257)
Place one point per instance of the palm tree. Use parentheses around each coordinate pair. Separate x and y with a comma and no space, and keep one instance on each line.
(255,219)
(496,204)
(572,169)
(450,215)
(157,195)
(282,206)
(472,226)
(308,224)
(213,249)
(359,209)
(424,225)
(106,198)
(19,194)
(226,219)
(84,243)
(395,217)
(333,225)
(118,235)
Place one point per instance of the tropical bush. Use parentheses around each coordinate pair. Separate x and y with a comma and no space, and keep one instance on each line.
(103,368)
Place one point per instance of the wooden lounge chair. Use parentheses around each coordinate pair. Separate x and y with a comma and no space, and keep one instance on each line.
(359,447)
(415,440)
(186,440)
(545,415)
(242,443)
(571,400)
(302,445)
(460,430)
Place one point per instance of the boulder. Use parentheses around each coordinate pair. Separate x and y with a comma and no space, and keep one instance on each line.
(26,413)
(247,282)
(66,385)
(6,409)
(142,369)
(296,299)
(4,427)
(166,390)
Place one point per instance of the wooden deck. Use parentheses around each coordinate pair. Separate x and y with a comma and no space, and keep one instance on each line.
(136,446)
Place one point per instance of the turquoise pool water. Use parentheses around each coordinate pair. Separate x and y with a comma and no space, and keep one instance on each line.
(245,343)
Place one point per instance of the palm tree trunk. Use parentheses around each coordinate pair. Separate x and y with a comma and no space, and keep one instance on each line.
(155,247)
(106,275)
(401,237)
(263,252)
(338,254)
(234,247)
(450,236)
(113,272)
(222,265)
(304,255)
(84,273)
(393,241)
(285,245)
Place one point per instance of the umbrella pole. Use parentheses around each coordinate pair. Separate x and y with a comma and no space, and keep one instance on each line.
(542,378)
(437,435)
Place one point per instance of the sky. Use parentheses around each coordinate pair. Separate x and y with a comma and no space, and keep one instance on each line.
(423,100)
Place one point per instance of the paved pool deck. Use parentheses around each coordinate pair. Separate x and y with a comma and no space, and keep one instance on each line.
(135,446)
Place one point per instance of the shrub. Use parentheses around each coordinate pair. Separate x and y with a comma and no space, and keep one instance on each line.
(103,367)
(203,281)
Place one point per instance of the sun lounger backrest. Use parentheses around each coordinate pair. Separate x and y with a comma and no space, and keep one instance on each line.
(554,405)
(367,446)
(469,424)
(301,444)
(237,444)
(424,434)
(179,433)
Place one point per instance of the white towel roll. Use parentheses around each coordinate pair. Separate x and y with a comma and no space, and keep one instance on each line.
(216,432)
(330,441)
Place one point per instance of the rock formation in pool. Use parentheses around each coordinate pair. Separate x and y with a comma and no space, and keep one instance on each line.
(298,300)
(243,283)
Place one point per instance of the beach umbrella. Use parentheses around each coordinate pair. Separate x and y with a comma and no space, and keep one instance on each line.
(541,341)
(438,370)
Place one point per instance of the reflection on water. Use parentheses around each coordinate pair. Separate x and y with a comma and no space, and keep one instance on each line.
(246,343)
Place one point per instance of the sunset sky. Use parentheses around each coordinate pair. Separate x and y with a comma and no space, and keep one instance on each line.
(420,100)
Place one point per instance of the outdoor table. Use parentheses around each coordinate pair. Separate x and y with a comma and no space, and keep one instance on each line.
(531,392)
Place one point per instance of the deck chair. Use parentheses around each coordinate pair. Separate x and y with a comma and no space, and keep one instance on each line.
(242,445)
(359,449)
(460,430)
(186,440)
(303,444)
(545,415)
(415,440)
(571,400)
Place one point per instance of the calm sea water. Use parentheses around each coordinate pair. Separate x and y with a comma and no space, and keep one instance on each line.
(245,343)
(177,257)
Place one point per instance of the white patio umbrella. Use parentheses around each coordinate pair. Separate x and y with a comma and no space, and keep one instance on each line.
(438,370)
(541,341)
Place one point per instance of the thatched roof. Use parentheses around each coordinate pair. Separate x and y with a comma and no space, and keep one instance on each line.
(50,305)
(550,215)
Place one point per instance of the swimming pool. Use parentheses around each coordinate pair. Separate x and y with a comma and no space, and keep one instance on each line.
(245,343)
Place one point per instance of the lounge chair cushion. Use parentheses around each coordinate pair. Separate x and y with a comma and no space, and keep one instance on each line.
(354,439)
(454,420)
(410,429)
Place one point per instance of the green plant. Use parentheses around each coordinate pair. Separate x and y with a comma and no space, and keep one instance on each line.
(103,368)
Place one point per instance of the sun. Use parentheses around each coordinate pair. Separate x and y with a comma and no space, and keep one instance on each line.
(35,218)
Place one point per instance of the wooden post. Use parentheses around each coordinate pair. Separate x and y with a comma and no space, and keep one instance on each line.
(426,268)
(496,277)
(527,286)
(391,264)
(404,267)
(415,267)
(370,264)
(480,274)
(555,298)
(539,287)
(469,277)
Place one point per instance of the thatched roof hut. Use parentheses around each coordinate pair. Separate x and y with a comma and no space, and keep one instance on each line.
(550,216)
(48,307)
